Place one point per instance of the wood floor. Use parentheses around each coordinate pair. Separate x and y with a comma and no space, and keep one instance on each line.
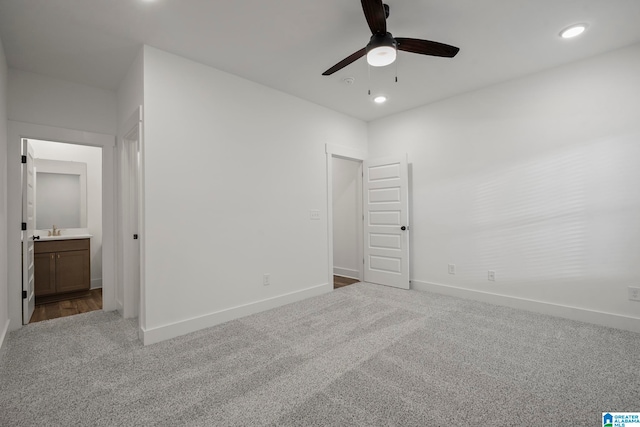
(339,281)
(53,310)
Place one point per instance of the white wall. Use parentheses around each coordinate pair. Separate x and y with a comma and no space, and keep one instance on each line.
(38,99)
(536,179)
(232,169)
(346,261)
(92,156)
(130,93)
(4,308)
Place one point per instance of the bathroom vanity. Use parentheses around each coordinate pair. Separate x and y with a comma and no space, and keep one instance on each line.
(62,267)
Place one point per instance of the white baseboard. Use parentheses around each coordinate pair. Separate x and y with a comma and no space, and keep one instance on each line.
(574,313)
(3,333)
(96,283)
(346,272)
(161,333)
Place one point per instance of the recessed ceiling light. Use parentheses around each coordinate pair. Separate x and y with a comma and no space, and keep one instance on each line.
(573,31)
(379,99)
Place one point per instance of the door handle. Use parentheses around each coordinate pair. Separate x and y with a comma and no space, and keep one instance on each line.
(403,228)
(36,237)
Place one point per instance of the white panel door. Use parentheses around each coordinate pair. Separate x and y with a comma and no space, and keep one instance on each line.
(132,270)
(129,292)
(28,217)
(386,222)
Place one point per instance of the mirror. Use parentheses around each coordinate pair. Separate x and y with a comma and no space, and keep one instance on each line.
(60,194)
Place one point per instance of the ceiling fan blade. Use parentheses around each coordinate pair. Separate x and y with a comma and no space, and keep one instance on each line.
(426,47)
(346,61)
(376,16)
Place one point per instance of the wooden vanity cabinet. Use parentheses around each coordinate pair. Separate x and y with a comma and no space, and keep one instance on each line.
(44,270)
(61,267)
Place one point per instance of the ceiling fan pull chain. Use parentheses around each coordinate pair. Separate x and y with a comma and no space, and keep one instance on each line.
(396,71)
(369,70)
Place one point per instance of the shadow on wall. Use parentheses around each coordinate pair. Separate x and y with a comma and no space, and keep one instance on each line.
(562,217)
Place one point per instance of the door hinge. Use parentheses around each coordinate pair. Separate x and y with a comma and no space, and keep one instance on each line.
(24,294)
(135,237)
(24,159)
(24,226)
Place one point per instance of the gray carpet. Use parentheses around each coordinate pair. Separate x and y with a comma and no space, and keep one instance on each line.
(362,355)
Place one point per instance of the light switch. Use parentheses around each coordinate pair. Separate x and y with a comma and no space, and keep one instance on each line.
(314,214)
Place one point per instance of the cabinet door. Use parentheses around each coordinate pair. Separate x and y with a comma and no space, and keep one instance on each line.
(72,271)
(45,274)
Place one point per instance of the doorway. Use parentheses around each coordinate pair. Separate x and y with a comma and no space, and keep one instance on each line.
(344,218)
(17,131)
(384,215)
(68,214)
(347,221)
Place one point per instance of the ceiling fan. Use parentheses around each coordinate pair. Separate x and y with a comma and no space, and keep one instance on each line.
(382,46)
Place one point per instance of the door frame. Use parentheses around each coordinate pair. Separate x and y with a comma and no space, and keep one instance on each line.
(16,131)
(335,151)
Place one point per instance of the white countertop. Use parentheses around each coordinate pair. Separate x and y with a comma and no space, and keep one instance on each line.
(65,237)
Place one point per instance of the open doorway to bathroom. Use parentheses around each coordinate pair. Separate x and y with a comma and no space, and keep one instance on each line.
(68,229)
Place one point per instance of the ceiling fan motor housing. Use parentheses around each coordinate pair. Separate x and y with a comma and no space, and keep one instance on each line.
(381,40)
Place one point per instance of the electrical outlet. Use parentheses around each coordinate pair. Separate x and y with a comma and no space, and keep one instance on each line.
(452,269)
(314,214)
(634,293)
(266,279)
(491,275)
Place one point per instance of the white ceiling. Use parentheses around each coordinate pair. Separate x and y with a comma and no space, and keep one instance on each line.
(287,44)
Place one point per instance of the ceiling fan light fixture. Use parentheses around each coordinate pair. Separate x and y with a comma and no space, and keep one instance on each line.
(381,56)
(381,50)
(573,31)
